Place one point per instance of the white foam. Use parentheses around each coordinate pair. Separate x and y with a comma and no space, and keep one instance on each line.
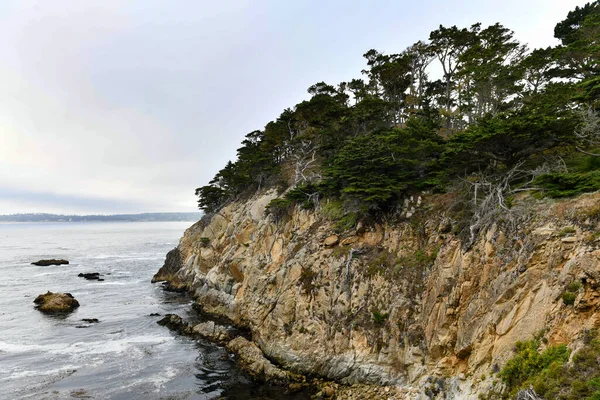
(20,373)
(117,346)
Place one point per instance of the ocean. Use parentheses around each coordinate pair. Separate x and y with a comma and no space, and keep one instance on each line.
(127,355)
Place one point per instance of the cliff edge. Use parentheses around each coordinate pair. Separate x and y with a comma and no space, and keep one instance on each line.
(402,303)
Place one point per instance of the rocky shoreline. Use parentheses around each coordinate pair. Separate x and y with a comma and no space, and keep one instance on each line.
(251,360)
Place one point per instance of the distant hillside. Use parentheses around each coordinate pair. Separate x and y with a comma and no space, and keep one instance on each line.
(42,217)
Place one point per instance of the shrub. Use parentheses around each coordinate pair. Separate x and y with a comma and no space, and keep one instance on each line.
(569,230)
(569,298)
(379,318)
(529,362)
(574,286)
(568,184)
(278,207)
(334,210)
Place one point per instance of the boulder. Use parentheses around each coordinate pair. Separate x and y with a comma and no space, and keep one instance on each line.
(45,263)
(331,241)
(212,331)
(175,323)
(56,302)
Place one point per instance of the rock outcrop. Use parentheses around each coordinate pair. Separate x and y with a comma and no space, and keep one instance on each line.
(252,360)
(56,302)
(404,304)
(45,263)
(91,276)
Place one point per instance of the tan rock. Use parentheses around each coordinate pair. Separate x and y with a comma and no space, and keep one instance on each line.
(331,241)
(56,302)
(569,239)
(315,312)
(349,240)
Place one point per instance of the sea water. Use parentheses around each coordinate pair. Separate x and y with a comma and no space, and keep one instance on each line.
(127,355)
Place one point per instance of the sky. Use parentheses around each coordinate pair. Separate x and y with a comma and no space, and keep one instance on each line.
(115,106)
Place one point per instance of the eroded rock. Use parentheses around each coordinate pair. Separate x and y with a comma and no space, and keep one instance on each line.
(56,302)
(252,360)
(175,323)
(212,331)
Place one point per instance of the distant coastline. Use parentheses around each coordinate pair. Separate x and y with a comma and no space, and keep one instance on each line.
(143,217)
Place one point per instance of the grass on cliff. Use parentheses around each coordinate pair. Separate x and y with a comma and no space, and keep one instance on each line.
(550,374)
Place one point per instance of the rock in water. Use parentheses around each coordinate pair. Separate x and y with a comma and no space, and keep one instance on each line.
(56,302)
(175,323)
(45,263)
(90,276)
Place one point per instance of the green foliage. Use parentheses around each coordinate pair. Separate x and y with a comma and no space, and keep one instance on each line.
(549,374)
(570,294)
(502,141)
(568,184)
(574,286)
(211,198)
(334,210)
(569,230)
(379,318)
(377,170)
(569,298)
(375,140)
(278,207)
(529,362)
(304,195)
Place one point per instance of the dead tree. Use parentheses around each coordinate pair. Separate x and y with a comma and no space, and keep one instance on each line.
(588,132)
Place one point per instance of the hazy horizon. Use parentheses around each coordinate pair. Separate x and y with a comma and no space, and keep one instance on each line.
(110,107)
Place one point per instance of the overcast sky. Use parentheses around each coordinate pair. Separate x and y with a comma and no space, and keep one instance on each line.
(115,106)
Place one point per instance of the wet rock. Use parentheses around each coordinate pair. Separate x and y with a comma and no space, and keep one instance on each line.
(175,323)
(173,263)
(45,263)
(212,331)
(154,314)
(91,276)
(56,302)
(173,287)
(252,360)
(91,320)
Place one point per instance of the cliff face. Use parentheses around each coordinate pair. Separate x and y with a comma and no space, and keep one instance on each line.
(401,303)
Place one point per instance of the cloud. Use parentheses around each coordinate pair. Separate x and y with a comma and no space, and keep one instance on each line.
(129,106)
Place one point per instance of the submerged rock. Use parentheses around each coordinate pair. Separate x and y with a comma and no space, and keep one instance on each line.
(56,302)
(90,320)
(45,263)
(91,276)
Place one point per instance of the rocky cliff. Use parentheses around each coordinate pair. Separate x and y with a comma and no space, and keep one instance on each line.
(403,303)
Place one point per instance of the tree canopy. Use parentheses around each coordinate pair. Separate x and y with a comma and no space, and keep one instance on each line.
(400,127)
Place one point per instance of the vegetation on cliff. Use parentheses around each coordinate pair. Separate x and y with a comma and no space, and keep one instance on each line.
(501,119)
(533,373)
